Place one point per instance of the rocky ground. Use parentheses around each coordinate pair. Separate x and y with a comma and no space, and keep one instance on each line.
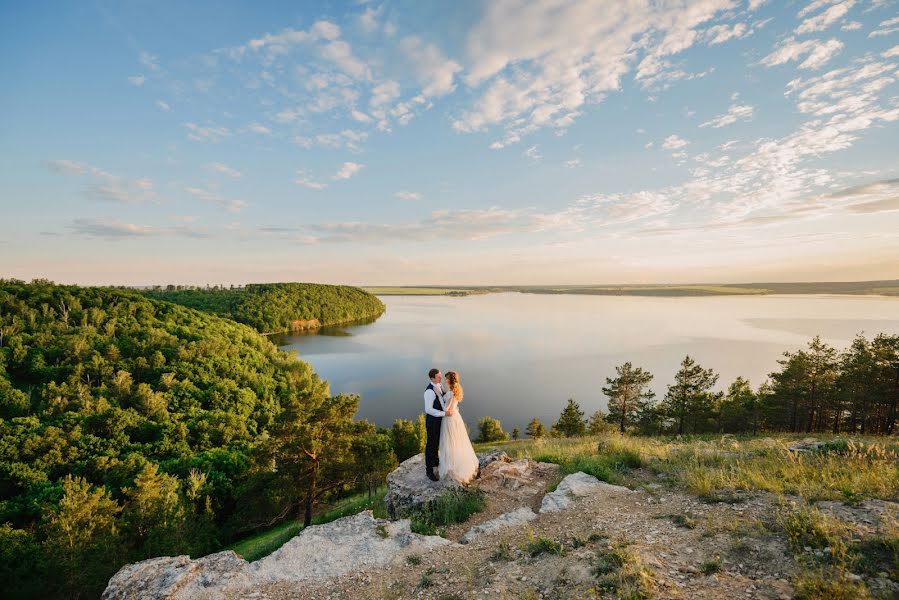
(586,539)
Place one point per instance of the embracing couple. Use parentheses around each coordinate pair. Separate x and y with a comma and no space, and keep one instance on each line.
(448,447)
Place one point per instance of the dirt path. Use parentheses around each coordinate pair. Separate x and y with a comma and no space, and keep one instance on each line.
(655,541)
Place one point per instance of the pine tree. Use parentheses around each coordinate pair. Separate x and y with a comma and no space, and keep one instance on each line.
(535,429)
(571,421)
(598,423)
(491,430)
(627,393)
(689,397)
(515,433)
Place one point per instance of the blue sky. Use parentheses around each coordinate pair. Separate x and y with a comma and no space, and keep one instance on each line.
(501,142)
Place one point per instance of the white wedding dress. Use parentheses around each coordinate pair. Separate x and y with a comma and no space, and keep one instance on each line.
(457,458)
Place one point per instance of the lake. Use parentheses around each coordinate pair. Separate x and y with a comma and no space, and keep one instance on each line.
(522,356)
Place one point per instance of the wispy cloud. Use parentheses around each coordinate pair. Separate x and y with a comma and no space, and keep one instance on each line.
(107,186)
(408,195)
(206,133)
(815,52)
(305,180)
(210,197)
(737,112)
(825,19)
(347,170)
(137,80)
(114,229)
(224,169)
(888,27)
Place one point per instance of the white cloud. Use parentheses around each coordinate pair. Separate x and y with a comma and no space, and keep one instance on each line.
(408,195)
(163,105)
(885,28)
(674,142)
(533,153)
(827,18)
(718,34)
(224,169)
(737,112)
(851,26)
(573,163)
(816,53)
(347,170)
(106,186)
(435,72)
(368,19)
(306,181)
(150,61)
(360,116)
(137,80)
(384,93)
(231,205)
(258,128)
(537,62)
(894,51)
(206,133)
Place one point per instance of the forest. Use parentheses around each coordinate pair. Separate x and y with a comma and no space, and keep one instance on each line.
(277,307)
(133,427)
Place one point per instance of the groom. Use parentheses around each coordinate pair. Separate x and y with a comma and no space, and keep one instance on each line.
(434,411)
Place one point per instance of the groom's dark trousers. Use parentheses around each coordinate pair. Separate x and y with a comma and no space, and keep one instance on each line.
(432,425)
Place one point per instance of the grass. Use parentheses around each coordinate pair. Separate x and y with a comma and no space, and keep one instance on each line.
(448,509)
(828,584)
(711,566)
(722,468)
(619,571)
(686,521)
(503,552)
(264,543)
(544,545)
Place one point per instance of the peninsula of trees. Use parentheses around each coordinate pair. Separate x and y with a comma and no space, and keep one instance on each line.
(277,307)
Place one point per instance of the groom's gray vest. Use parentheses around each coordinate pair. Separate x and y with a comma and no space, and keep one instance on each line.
(436,405)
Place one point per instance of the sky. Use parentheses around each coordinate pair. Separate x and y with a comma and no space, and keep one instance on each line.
(461,143)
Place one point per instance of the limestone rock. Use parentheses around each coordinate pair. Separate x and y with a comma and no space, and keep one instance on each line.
(492,455)
(574,486)
(174,577)
(341,546)
(519,479)
(318,553)
(509,519)
(408,488)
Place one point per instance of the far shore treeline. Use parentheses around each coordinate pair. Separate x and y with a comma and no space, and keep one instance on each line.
(139,423)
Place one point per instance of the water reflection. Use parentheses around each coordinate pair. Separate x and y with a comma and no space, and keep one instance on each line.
(522,355)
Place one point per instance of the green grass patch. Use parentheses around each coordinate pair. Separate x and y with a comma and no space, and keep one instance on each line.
(618,570)
(544,545)
(710,566)
(448,509)
(829,584)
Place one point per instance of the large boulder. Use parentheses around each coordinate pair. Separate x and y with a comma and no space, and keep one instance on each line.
(318,553)
(409,489)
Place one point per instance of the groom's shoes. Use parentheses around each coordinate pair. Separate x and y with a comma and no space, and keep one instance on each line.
(431,476)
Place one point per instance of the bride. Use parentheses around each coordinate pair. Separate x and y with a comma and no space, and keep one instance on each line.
(457,457)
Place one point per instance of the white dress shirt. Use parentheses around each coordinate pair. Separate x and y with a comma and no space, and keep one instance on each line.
(429,401)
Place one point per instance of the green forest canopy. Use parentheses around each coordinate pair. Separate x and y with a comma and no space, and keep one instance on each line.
(132,427)
(277,307)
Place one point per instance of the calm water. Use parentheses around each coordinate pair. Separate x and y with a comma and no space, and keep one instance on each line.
(523,355)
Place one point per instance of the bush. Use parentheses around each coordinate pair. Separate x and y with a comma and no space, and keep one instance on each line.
(490,430)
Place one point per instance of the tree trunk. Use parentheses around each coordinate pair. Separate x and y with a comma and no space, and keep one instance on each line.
(310,496)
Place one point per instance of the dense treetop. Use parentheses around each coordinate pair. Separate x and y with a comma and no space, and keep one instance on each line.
(278,307)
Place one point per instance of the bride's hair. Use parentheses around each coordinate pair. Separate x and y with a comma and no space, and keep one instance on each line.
(452,378)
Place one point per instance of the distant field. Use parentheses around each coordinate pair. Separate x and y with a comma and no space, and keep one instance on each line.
(882,288)
(424,291)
